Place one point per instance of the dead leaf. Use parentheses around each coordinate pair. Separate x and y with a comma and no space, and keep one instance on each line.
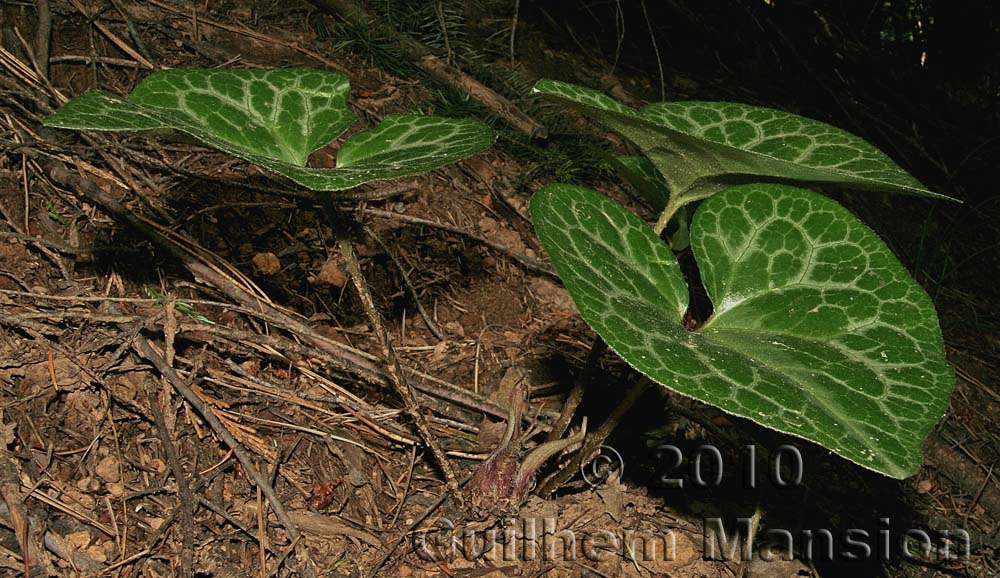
(77,540)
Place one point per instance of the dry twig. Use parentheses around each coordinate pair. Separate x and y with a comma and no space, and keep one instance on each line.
(43,35)
(396,374)
(146,350)
(184,495)
(529,262)
(435,67)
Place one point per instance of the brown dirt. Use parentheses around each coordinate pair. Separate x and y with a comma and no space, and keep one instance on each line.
(77,399)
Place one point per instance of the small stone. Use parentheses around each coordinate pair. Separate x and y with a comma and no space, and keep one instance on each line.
(88,484)
(480,166)
(552,296)
(685,550)
(266,263)
(455,328)
(331,274)
(925,486)
(487,225)
(510,239)
(80,499)
(107,470)
(115,490)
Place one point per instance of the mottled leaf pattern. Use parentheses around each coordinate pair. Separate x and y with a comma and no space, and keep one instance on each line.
(282,114)
(275,119)
(98,110)
(818,330)
(401,145)
(703,147)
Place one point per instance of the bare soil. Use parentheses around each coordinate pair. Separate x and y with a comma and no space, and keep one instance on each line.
(117,474)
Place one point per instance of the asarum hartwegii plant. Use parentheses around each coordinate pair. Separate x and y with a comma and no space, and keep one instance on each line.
(817,329)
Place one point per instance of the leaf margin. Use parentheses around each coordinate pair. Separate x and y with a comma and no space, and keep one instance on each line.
(907,466)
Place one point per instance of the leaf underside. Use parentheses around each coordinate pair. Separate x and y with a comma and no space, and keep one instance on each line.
(818,330)
(703,147)
(643,176)
(275,119)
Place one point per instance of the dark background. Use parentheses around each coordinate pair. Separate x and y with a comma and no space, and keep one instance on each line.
(918,78)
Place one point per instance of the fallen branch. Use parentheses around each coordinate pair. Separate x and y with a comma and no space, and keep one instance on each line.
(43,35)
(184,495)
(422,57)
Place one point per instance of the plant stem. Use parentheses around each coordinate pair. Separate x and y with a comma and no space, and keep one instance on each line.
(428,320)
(597,349)
(595,439)
(667,214)
(396,375)
(747,554)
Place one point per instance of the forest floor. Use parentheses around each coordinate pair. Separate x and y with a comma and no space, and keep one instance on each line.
(118,475)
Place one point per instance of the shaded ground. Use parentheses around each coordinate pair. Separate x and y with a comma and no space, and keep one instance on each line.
(119,475)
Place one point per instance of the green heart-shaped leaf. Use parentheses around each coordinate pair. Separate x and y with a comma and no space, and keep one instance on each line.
(276,118)
(99,110)
(643,176)
(641,173)
(703,147)
(282,114)
(818,330)
(400,146)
